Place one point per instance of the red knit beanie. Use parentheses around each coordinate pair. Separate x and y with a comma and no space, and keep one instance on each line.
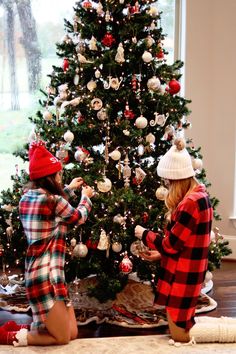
(41,162)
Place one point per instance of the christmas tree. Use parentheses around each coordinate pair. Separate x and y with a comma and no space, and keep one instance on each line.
(110,111)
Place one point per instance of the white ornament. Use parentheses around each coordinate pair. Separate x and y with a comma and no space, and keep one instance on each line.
(149,41)
(134,40)
(141,150)
(82,59)
(154,84)
(115,83)
(103,243)
(76,79)
(139,175)
(81,154)
(147,57)
(100,9)
(119,219)
(93,44)
(105,185)
(47,115)
(116,247)
(115,155)
(153,11)
(126,132)
(160,119)
(137,246)
(96,104)
(91,85)
(73,242)
(161,193)
(80,250)
(141,122)
(97,74)
(119,58)
(197,164)
(102,114)
(69,136)
(150,138)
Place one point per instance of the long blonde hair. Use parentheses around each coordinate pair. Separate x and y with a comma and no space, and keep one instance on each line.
(177,190)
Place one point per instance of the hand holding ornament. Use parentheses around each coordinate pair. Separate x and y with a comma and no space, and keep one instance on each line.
(76,183)
(150,255)
(88,191)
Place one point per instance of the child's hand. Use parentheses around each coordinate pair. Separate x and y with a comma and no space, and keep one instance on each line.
(138,231)
(76,183)
(88,191)
(151,256)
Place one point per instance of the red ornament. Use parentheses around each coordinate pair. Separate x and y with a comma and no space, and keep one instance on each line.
(174,87)
(145,217)
(134,83)
(92,244)
(160,54)
(65,65)
(126,265)
(108,40)
(128,113)
(87,5)
(80,118)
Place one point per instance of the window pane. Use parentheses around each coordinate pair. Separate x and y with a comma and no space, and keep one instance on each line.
(49,17)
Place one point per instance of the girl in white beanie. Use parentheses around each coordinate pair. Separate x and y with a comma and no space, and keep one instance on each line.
(183,252)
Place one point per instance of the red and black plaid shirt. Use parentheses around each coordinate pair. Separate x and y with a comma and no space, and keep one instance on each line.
(184,259)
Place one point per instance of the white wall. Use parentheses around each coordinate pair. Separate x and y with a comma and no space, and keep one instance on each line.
(210,82)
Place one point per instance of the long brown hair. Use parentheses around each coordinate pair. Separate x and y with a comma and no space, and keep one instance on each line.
(49,184)
(177,190)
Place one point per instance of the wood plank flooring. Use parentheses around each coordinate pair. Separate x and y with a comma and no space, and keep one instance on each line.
(223,292)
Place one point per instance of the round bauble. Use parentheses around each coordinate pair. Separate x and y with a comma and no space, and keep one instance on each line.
(47,115)
(147,57)
(81,154)
(91,85)
(197,164)
(141,150)
(154,84)
(105,185)
(102,114)
(73,242)
(116,247)
(96,104)
(161,193)
(126,265)
(80,250)
(115,155)
(141,122)
(69,136)
(174,87)
(150,138)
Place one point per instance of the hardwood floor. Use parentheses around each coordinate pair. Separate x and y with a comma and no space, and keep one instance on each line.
(223,292)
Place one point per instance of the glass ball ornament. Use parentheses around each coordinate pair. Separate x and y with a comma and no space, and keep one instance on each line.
(147,57)
(126,265)
(197,164)
(161,193)
(141,122)
(80,250)
(105,185)
(81,154)
(69,136)
(47,115)
(116,247)
(154,84)
(115,155)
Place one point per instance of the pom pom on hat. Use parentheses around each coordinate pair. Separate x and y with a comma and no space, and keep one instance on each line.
(41,162)
(176,163)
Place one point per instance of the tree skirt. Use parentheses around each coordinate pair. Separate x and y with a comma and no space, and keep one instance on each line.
(133,306)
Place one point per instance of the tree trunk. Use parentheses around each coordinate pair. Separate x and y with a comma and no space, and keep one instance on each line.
(9,28)
(30,43)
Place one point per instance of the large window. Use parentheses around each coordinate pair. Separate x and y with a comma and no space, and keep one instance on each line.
(49,25)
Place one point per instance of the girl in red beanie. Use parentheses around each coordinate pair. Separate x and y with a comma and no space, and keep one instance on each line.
(46,214)
(183,252)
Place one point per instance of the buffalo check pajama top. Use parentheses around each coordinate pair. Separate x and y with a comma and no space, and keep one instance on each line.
(45,220)
(184,250)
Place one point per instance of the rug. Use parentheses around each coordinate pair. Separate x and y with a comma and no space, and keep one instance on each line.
(133,306)
(150,344)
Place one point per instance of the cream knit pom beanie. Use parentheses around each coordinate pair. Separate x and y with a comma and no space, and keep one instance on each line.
(176,163)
